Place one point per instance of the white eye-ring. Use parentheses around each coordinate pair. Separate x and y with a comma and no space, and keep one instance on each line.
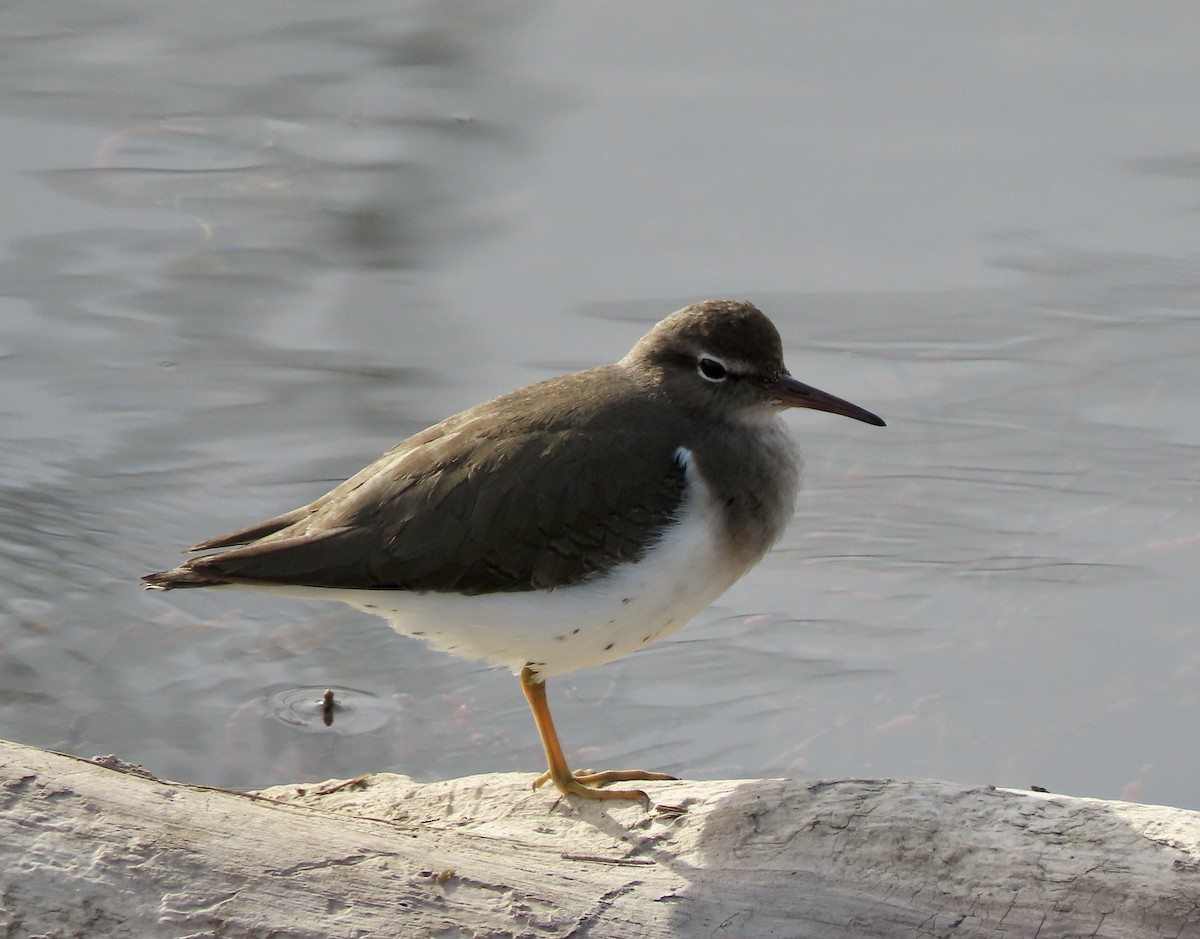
(711,369)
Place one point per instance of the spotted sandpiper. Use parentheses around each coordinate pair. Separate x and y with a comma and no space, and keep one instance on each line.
(561,525)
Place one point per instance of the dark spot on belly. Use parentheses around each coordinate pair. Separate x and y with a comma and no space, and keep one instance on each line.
(370,606)
(646,638)
(575,631)
(625,599)
(559,638)
(417,633)
(609,646)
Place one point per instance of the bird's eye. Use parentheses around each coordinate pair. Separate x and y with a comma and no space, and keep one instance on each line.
(712,369)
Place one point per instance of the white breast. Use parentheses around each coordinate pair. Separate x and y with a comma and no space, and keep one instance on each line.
(568,628)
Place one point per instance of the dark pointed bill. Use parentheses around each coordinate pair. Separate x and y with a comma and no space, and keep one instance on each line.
(795,394)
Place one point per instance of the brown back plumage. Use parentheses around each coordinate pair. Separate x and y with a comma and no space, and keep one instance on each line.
(544,487)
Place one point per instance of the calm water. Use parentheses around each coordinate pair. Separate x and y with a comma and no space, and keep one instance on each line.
(242,255)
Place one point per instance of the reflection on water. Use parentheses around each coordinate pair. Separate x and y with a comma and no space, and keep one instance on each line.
(236,293)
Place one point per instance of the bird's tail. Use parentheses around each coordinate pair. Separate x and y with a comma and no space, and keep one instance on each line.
(180,577)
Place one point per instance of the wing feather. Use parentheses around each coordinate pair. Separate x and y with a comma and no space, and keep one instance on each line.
(493,499)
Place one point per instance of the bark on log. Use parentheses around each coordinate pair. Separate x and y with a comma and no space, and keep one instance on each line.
(86,851)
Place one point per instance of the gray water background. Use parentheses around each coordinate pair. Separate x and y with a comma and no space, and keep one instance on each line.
(245,247)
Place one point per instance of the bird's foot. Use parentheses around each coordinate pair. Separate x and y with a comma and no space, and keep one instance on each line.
(586,783)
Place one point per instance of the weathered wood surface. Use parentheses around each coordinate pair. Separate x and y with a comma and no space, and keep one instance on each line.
(89,851)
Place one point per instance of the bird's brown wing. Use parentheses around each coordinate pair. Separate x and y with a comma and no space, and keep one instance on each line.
(478,504)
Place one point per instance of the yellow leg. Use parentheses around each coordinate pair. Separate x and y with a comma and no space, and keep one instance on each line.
(559,772)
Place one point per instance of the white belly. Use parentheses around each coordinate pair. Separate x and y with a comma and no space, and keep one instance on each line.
(560,630)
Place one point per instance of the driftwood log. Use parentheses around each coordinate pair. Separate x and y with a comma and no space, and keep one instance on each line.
(100,848)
